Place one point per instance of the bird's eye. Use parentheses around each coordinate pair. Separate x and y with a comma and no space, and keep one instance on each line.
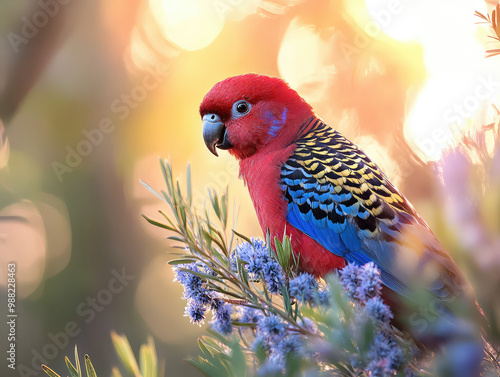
(241,108)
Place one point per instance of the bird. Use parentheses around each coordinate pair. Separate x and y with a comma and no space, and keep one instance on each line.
(308,181)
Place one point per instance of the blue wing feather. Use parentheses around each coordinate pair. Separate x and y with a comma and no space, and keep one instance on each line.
(338,196)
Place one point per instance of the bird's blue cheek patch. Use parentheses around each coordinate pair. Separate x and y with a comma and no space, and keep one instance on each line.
(275,123)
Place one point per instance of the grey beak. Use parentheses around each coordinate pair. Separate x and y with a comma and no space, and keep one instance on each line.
(214,133)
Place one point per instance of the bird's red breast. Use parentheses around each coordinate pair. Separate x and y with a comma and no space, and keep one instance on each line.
(261,174)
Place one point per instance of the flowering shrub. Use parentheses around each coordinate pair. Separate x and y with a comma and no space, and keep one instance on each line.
(266,317)
(279,339)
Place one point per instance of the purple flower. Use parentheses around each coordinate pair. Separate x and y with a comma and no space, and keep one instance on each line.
(195,312)
(272,326)
(270,331)
(361,283)
(255,254)
(273,276)
(304,287)
(350,280)
(216,303)
(273,335)
(324,297)
(370,284)
(385,354)
(193,284)
(259,262)
(251,315)
(290,344)
(378,310)
(197,296)
(222,320)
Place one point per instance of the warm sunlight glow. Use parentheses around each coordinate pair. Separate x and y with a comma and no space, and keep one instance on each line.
(460,84)
(194,24)
(303,60)
(190,24)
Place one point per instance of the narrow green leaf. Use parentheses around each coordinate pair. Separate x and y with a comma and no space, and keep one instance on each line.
(176,238)
(244,324)
(49,371)
(209,237)
(145,361)
(220,258)
(245,238)
(221,242)
(77,363)
(242,271)
(341,367)
(175,262)
(215,347)
(158,224)
(203,348)
(224,205)
(89,367)
(228,293)
(215,202)
(154,357)
(124,352)
(264,289)
(152,190)
(286,300)
(202,275)
(166,170)
(278,247)
(72,370)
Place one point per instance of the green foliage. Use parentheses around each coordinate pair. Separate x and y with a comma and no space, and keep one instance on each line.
(147,366)
(74,370)
(214,360)
(208,242)
(283,254)
(205,239)
(337,338)
(148,361)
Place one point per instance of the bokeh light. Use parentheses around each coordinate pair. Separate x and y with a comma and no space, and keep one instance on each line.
(23,240)
(402,79)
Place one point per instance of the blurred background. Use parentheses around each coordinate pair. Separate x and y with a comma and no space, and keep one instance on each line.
(93,92)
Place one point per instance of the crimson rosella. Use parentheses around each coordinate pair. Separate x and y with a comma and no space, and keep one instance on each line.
(310,182)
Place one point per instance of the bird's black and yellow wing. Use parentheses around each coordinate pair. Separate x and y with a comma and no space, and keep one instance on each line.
(340,198)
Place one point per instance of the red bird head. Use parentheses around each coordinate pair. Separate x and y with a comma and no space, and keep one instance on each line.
(251,112)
